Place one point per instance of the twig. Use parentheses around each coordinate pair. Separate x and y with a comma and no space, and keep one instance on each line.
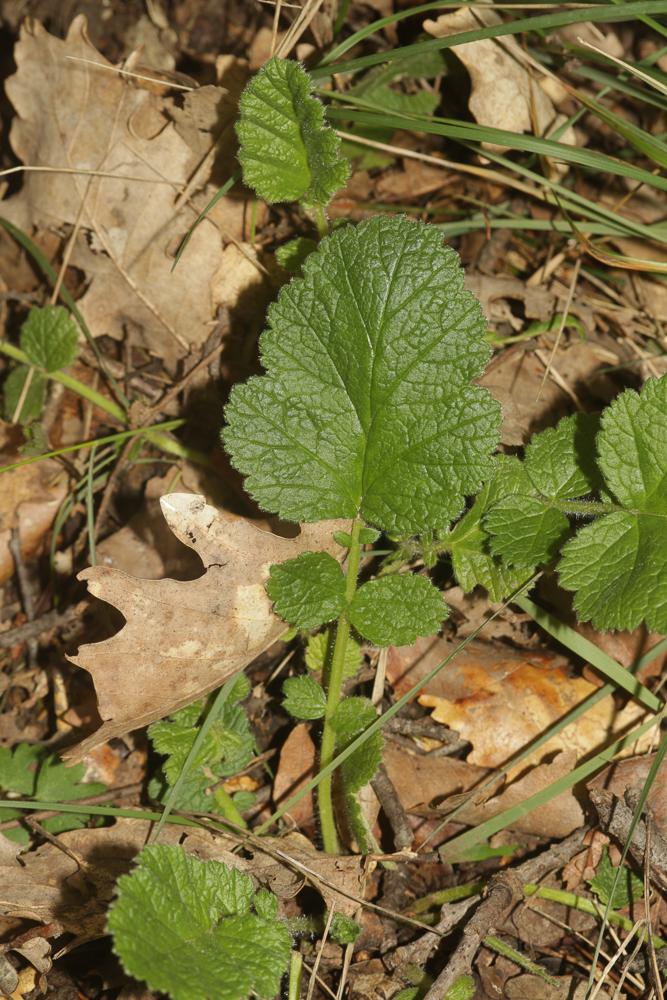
(38,626)
(25,588)
(505,892)
(616,818)
(387,795)
(419,952)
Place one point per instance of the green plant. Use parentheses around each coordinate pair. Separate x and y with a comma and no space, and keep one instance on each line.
(197,929)
(30,770)
(48,341)
(368,411)
(228,748)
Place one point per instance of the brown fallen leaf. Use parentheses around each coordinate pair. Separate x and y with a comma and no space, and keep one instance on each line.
(72,115)
(422,778)
(505,92)
(29,500)
(295,768)
(500,708)
(183,639)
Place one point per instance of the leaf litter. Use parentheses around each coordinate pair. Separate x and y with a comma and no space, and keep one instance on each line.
(496,695)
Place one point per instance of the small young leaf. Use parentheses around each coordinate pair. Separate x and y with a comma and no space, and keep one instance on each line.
(286,150)
(227,749)
(352,717)
(394,610)
(291,256)
(344,930)
(186,928)
(560,461)
(309,590)
(618,564)
(33,403)
(526,529)
(366,535)
(49,338)
(316,652)
(628,888)
(468,542)
(368,405)
(304,698)
(19,767)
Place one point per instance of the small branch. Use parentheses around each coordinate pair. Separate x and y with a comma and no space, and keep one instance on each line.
(505,892)
(387,795)
(34,629)
(616,818)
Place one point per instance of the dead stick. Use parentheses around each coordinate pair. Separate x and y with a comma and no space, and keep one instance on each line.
(505,892)
(393,809)
(34,629)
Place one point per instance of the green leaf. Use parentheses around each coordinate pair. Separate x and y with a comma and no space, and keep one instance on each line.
(57,782)
(286,150)
(468,542)
(560,461)
(526,530)
(316,653)
(228,748)
(309,590)
(304,698)
(394,610)
(186,928)
(18,768)
(352,717)
(33,404)
(617,565)
(291,256)
(344,930)
(628,888)
(49,338)
(368,406)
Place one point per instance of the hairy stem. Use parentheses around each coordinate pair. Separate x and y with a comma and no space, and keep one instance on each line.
(334,683)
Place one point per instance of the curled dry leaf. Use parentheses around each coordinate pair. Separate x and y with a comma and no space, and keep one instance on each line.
(29,500)
(73,115)
(506,93)
(183,639)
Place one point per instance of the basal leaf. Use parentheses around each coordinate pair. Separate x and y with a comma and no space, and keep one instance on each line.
(291,256)
(187,928)
(287,151)
(19,767)
(618,564)
(367,406)
(304,697)
(49,338)
(309,590)
(394,610)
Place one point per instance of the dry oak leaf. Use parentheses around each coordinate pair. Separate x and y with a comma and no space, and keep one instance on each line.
(500,708)
(71,114)
(504,93)
(182,639)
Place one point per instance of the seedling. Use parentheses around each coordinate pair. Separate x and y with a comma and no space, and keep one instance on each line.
(368,411)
